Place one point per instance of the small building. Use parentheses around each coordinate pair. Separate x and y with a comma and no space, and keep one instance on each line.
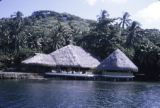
(117,65)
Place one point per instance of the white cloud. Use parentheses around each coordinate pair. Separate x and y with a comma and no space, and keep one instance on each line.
(93,2)
(119,1)
(150,15)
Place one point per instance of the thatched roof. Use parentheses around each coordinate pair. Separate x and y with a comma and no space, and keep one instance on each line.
(74,56)
(40,59)
(117,61)
(68,56)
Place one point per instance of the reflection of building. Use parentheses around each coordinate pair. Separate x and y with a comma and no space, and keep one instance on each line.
(67,59)
(117,65)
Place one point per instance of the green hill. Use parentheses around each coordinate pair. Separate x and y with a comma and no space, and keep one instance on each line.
(45,31)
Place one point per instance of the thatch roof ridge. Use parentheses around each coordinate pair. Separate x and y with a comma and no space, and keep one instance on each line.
(117,61)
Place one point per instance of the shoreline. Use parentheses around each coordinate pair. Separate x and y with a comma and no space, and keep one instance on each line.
(38,76)
(20,75)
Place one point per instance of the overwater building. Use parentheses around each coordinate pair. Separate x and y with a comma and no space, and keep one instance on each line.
(117,65)
(70,58)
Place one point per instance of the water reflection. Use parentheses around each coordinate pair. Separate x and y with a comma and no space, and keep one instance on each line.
(78,94)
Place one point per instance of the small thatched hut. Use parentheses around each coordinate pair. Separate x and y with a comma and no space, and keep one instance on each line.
(118,64)
(75,58)
(39,63)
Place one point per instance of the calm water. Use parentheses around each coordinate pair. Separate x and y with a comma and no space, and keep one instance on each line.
(78,94)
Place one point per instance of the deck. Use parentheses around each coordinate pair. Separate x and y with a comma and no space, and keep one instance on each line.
(89,76)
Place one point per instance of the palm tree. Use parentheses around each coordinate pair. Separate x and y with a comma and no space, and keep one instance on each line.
(103,15)
(135,26)
(125,21)
(17,26)
(103,21)
(17,15)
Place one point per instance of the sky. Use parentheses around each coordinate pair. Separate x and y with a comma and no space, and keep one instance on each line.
(144,11)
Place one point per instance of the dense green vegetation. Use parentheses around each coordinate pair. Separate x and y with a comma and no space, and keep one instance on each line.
(46,31)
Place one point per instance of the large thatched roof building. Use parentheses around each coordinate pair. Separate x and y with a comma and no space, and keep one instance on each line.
(70,56)
(74,56)
(117,61)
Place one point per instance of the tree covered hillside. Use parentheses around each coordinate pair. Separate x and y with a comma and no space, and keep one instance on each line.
(43,31)
(46,31)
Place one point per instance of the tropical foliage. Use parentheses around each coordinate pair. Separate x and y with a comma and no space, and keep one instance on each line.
(46,31)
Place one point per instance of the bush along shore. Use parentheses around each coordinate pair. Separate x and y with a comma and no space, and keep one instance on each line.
(46,31)
(20,75)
